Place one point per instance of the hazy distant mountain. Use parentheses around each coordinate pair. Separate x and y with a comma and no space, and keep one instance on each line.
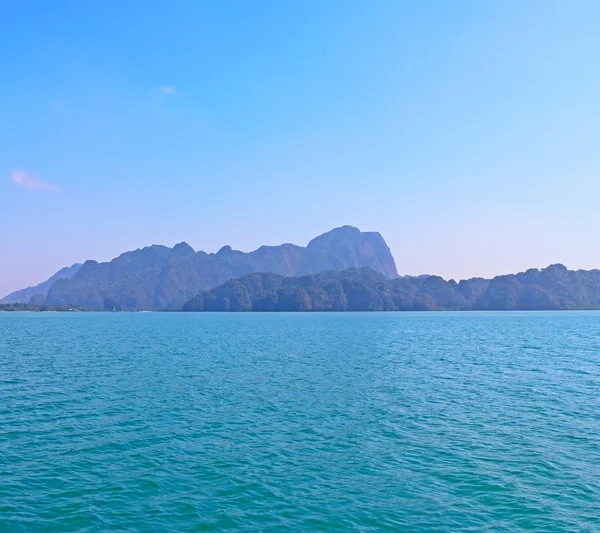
(160,277)
(39,292)
(363,289)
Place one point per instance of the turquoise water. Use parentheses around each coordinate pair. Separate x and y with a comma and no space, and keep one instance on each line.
(436,422)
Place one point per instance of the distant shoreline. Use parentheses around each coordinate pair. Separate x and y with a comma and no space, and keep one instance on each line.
(423,311)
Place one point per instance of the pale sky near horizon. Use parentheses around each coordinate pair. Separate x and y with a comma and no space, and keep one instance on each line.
(466,132)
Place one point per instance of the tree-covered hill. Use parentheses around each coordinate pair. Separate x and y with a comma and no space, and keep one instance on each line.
(363,289)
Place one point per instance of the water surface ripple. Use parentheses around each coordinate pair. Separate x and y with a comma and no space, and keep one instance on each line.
(420,422)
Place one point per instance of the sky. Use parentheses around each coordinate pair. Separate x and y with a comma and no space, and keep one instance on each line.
(466,132)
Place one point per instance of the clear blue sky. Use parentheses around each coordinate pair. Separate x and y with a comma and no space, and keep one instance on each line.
(466,132)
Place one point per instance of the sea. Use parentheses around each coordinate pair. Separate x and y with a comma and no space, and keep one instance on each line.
(358,422)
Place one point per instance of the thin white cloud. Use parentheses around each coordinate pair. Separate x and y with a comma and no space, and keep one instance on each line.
(169,91)
(29,181)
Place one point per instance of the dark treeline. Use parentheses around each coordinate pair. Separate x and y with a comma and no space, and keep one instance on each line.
(363,289)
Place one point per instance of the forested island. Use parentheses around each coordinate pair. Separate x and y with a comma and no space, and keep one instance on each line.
(159,277)
(344,269)
(363,289)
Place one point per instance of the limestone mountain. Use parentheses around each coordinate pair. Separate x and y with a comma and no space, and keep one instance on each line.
(158,277)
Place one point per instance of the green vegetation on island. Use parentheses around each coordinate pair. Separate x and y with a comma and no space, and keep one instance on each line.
(363,289)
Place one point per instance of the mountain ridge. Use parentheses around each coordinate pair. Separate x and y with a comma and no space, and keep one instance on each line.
(157,276)
(41,289)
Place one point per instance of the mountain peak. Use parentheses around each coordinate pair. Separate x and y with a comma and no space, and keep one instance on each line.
(557,267)
(183,249)
(357,249)
(335,234)
(225,249)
